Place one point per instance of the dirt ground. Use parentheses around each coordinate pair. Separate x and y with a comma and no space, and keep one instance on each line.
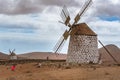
(53,71)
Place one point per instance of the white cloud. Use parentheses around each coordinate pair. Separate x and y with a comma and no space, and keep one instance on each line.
(108,27)
(107,7)
(45,26)
(107,31)
(13,7)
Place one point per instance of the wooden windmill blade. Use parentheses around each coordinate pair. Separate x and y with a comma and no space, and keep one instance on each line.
(56,45)
(66,20)
(13,50)
(65,15)
(82,11)
(59,45)
(85,7)
(61,42)
(10,51)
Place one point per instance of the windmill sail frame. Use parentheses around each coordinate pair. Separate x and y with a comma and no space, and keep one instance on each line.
(66,20)
(65,15)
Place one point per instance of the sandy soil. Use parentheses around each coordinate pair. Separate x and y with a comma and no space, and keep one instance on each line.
(31,71)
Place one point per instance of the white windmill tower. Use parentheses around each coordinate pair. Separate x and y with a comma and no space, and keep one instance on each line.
(83,47)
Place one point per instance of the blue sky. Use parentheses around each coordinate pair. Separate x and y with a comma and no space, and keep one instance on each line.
(32,25)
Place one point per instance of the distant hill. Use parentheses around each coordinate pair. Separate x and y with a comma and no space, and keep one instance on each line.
(114,51)
(3,56)
(105,57)
(43,55)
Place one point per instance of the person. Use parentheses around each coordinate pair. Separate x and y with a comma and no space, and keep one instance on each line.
(13,67)
(47,58)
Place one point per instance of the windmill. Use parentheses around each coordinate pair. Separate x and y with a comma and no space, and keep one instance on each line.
(12,54)
(83,46)
(66,20)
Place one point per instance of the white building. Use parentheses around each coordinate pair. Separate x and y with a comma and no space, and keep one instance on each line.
(13,56)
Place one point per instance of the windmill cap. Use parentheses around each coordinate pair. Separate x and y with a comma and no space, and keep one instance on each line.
(83,29)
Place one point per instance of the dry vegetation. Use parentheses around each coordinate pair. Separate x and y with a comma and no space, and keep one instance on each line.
(63,71)
(59,71)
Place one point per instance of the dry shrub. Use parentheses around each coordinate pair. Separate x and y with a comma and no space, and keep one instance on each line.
(118,64)
(67,67)
(30,75)
(107,73)
(28,72)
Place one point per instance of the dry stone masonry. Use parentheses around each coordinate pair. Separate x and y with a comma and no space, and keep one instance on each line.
(83,47)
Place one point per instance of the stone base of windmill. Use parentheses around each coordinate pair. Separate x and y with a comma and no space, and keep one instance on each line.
(83,49)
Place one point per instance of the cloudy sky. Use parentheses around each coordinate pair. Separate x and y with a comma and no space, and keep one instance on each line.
(32,25)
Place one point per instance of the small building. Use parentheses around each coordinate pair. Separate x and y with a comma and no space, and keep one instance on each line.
(83,46)
(13,56)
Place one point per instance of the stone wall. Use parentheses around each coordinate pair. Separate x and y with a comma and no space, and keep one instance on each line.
(82,49)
